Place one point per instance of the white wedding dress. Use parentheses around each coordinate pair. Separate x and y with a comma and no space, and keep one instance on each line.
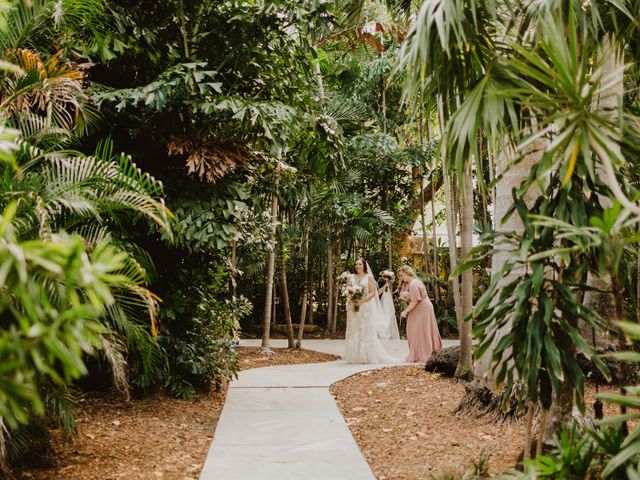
(388,329)
(361,338)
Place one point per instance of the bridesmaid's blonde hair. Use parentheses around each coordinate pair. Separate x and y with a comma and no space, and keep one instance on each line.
(408,270)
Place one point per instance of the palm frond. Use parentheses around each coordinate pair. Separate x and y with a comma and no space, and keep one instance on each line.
(33,23)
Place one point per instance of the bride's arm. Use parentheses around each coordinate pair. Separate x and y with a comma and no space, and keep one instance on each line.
(373,290)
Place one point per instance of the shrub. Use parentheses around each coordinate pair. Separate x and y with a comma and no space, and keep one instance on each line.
(198,330)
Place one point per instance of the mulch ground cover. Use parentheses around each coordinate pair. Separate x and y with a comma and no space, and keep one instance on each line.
(153,438)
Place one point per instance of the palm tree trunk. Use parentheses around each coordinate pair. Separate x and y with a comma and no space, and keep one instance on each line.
(336,293)
(425,238)
(312,298)
(234,266)
(331,326)
(384,130)
(349,250)
(510,178)
(464,369)
(638,285)
(285,300)
(434,242)
(600,299)
(305,295)
(268,297)
(451,226)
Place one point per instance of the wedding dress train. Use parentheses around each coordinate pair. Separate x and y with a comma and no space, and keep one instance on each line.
(389,326)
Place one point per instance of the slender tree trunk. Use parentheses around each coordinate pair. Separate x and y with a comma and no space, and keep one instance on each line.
(561,411)
(234,266)
(349,249)
(285,299)
(491,163)
(183,30)
(330,318)
(465,365)
(274,302)
(268,297)
(527,434)
(390,233)
(482,184)
(451,226)
(425,238)
(305,295)
(434,225)
(638,285)
(336,293)
(384,130)
(312,298)
(336,301)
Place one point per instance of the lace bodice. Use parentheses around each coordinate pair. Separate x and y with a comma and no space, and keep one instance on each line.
(363,282)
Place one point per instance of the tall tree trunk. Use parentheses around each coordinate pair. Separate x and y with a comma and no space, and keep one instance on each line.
(336,293)
(425,238)
(638,285)
(311,294)
(600,299)
(561,411)
(451,225)
(274,302)
(330,319)
(482,184)
(510,177)
(464,369)
(434,224)
(285,298)
(384,130)
(349,249)
(305,295)
(268,297)
(234,266)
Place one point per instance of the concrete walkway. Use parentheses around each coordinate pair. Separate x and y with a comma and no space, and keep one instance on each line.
(281,423)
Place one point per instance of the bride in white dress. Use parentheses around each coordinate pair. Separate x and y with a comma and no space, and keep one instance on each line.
(362,344)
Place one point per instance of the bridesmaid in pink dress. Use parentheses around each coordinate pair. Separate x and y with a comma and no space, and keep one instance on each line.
(422,330)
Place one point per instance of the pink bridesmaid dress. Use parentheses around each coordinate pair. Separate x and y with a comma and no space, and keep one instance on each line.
(422,330)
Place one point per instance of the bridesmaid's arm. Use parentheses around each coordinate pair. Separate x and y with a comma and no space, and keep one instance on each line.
(415,295)
(410,307)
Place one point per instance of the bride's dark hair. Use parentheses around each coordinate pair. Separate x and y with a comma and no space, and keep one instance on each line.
(364,264)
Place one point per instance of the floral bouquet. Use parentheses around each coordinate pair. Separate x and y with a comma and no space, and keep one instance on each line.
(353,293)
(343,278)
(387,276)
(405,296)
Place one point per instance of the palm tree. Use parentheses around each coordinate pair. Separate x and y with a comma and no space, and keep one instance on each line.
(529,86)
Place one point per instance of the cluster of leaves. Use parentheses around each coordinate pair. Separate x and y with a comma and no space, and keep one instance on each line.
(73,284)
(545,88)
(608,450)
(199,330)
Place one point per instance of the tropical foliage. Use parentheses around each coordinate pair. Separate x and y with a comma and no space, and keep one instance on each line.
(270,143)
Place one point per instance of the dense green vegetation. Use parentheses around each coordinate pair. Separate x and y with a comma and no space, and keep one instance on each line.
(267,144)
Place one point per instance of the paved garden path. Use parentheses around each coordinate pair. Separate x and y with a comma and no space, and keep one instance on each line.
(281,423)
